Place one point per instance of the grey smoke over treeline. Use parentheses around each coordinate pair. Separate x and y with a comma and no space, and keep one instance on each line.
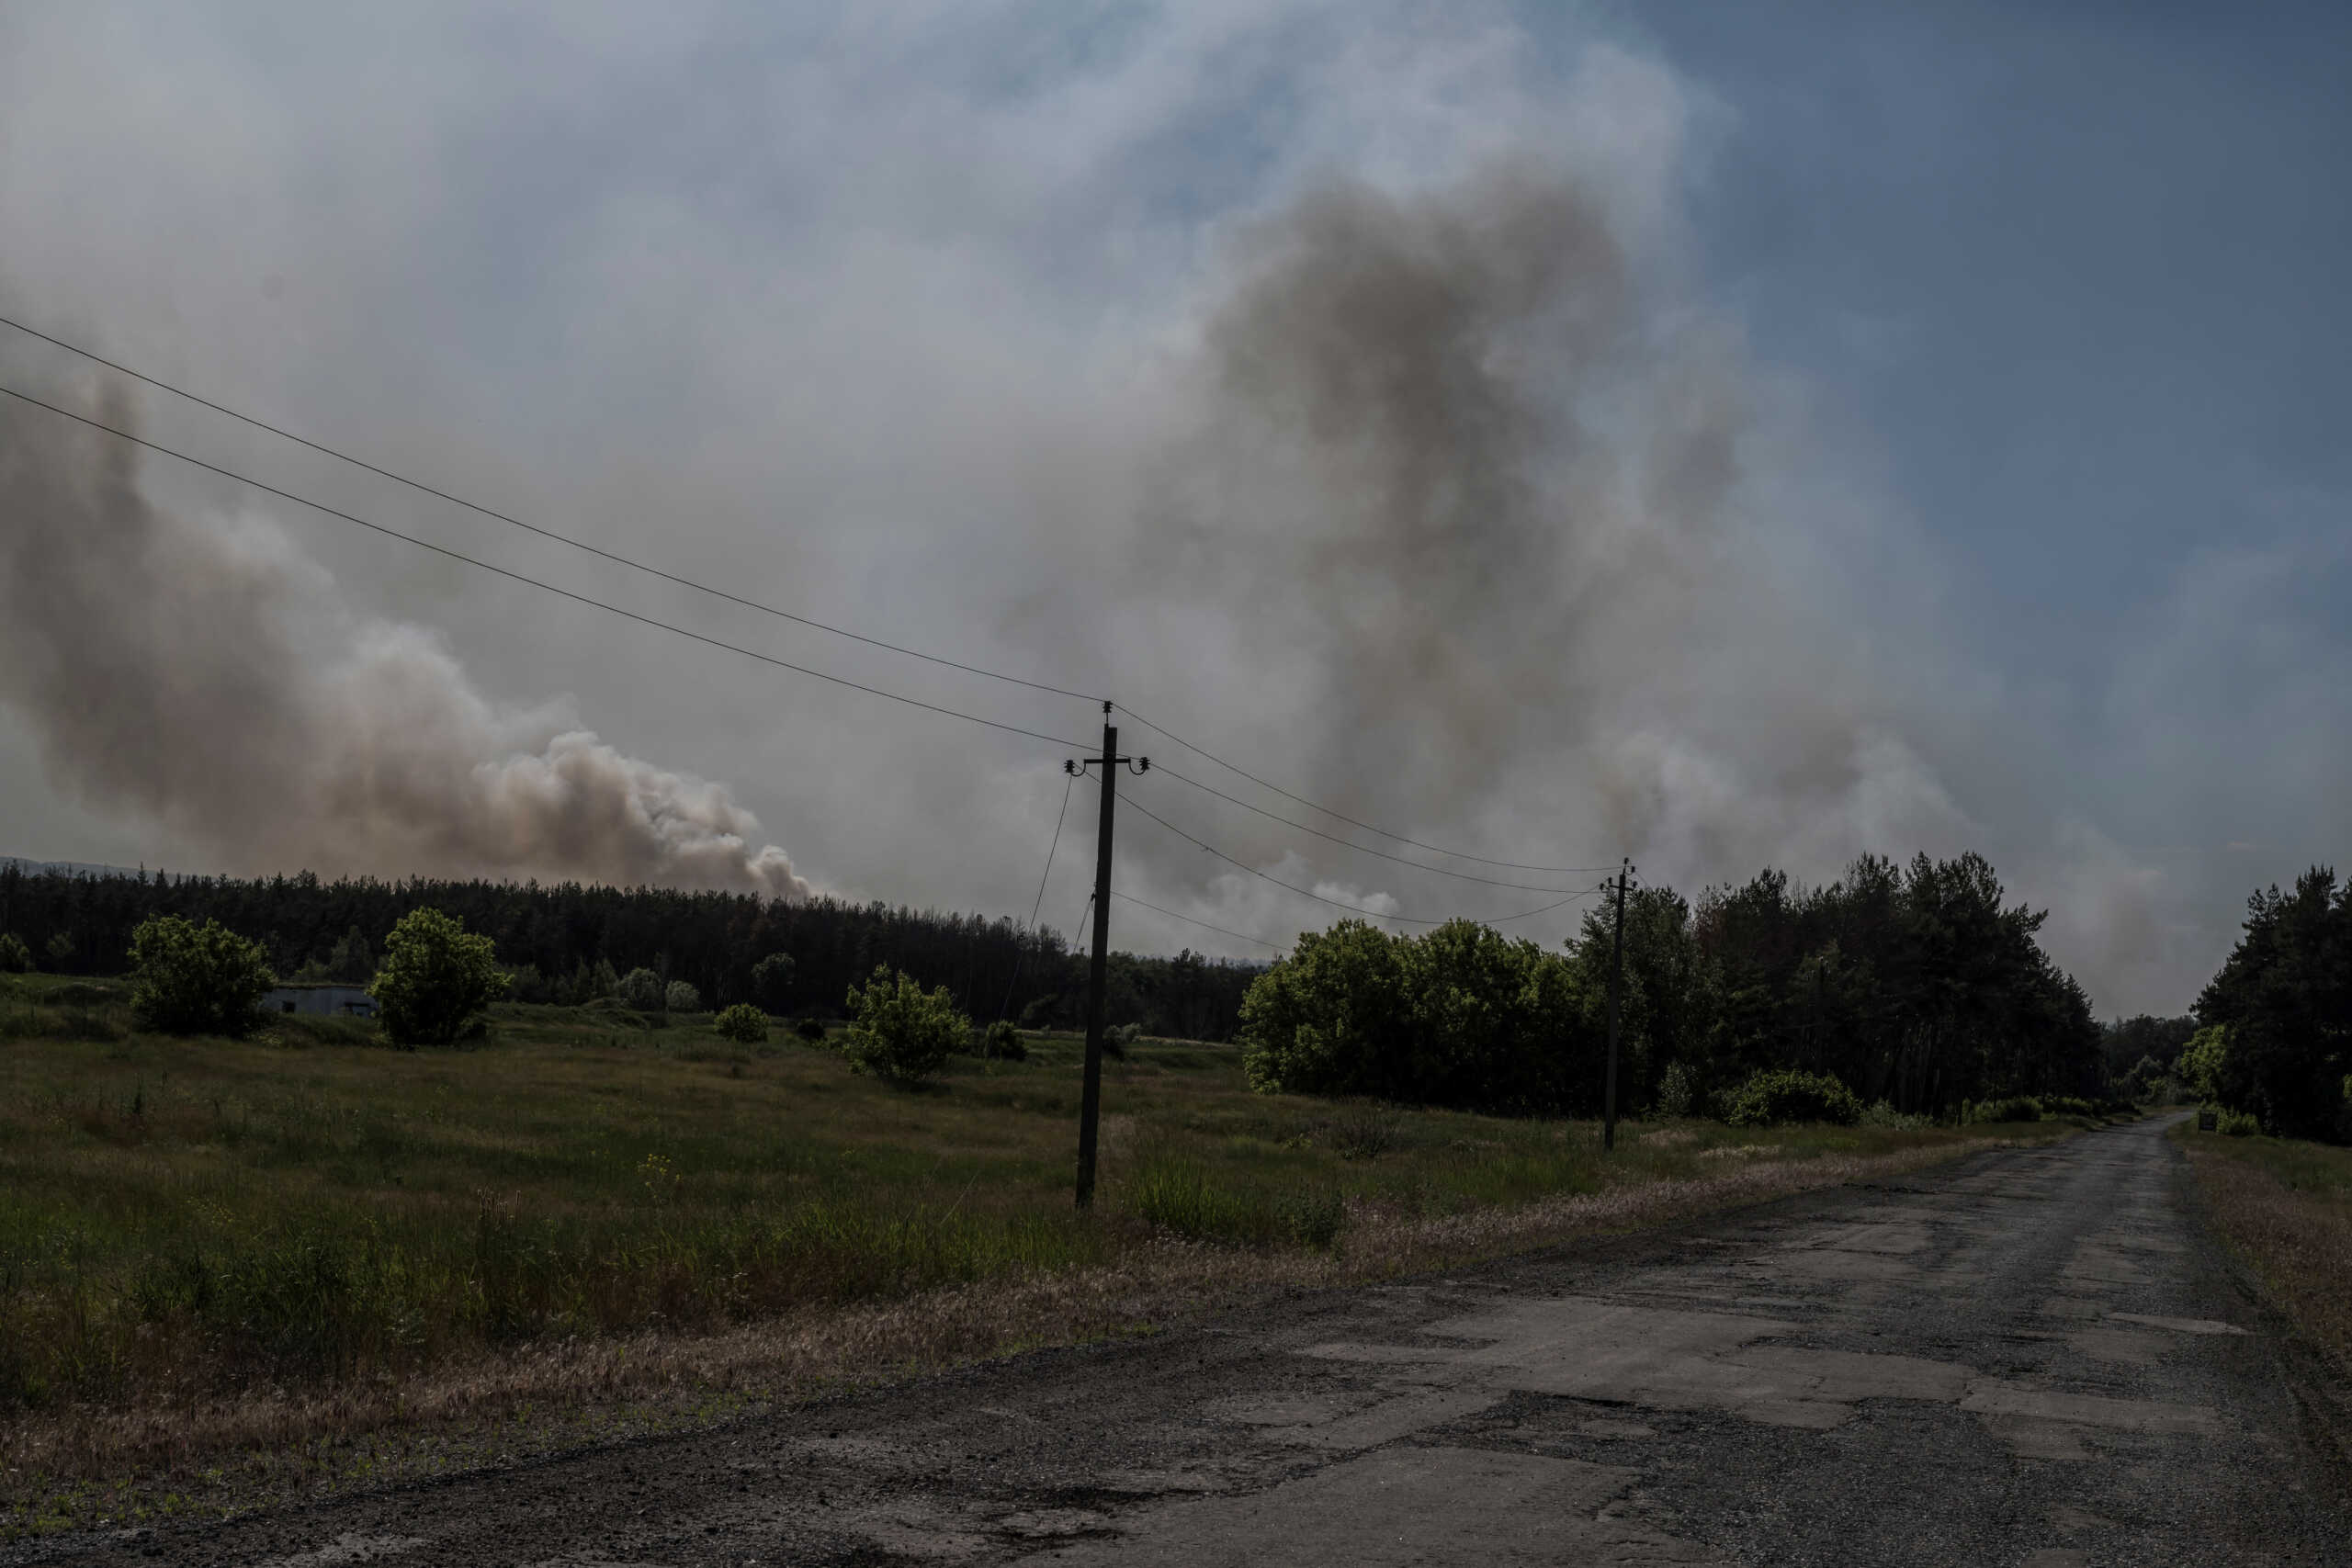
(197,670)
(1482,420)
(1471,491)
(1438,464)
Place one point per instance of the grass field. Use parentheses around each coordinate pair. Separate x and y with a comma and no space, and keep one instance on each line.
(2286,1206)
(211,1244)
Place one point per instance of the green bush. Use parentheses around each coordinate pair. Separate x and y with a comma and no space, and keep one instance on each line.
(899,1030)
(2014,1108)
(811,1029)
(2237,1124)
(682,997)
(2204,1063)
(15,958)
(772,981)
(1460,1017)
(1002,1043)
(2067,1105)
(1117,1037)
(1674,1091)
(1366,1131)
(1769,1098)
(1884,1115)
(642,990)
(743,1023)
(435,980)
(192,979)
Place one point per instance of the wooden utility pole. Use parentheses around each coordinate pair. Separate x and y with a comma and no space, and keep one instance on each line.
(1098,973)
(1616,1012)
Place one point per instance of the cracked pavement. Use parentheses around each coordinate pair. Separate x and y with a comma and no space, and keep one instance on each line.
(2028,1357)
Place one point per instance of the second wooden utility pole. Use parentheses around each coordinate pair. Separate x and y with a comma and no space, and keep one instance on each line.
(1098,971)
(1616,1011)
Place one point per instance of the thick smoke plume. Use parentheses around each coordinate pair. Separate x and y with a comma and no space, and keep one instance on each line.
(198,672)
(1476,495)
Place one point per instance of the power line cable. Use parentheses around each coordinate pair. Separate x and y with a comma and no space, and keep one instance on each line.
(544,533)
(1039,902)
(1188,920)
(1364,849)
(1020,953)
(1352,821)
(1337,904)
(421,487)
(617,560)
(533,581)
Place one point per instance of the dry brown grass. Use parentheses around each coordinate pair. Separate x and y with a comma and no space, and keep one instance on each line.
(2286,1208)
(208,1453)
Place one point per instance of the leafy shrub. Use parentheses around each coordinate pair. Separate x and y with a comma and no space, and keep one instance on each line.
(2204,1063)
(1117,1037)
(811,1029)
(772,981)
(2016,1108)
(1314,1217)
(1002,1043)
(1769,1099)
(641,989)
(1364,1131)
(1673,1095)
(192,979)
(2238,1124)
(1884,1115)
(682,997)
(2067,1105)
(899,1032)
(743,1023)
(15,958)
(435,980)
(1462,1016)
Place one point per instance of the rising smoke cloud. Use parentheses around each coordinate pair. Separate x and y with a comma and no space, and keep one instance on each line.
(1336,383)
(199,671)
(1451,457)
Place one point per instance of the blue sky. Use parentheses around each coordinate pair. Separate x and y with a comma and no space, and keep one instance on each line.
(1959,465)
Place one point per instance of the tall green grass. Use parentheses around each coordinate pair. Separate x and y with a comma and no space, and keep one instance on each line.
(183,1216)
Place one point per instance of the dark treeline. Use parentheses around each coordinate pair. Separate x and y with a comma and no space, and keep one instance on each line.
(1917,986)
(2277,1038)
(568,942)
(2131,1041)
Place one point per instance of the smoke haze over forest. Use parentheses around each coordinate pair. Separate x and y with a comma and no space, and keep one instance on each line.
(1519,430)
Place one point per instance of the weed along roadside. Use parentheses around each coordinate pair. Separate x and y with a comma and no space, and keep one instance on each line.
(2285,1207)
(245,1268)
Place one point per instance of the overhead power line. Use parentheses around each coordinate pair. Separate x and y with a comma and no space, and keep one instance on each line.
(1019,952)
(545,533)
(533,581)
(1343,817)
(1361,849)
(556,536)
(1338,904)
(1189,920)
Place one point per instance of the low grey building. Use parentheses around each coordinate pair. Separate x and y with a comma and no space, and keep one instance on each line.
(351,1001)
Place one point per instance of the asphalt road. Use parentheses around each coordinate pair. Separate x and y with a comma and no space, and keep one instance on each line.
(2033,1357)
